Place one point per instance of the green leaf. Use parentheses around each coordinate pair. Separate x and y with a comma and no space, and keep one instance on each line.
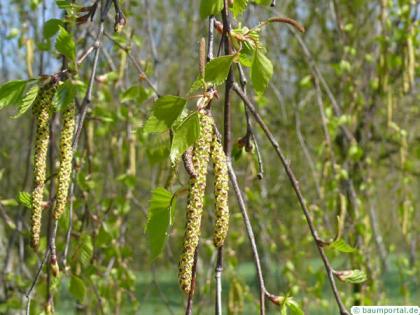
(77,288)
(158,148)
(135,93)
(64,96)
(239,7)
(164,113)
(210,7)
(65,44)
(197,85)
(51,27)
(351,276)
(342,246)
(24,198)
(306,81)
(159,220)
(217,69)
(185,135)
(11,92)
(83,252)
(263,2)
(294,307)
(261,71)
(246,56)
(27,101)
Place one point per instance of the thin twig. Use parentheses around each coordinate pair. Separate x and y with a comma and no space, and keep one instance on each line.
(210,44)
(218,277)
(250,132)
(88,97)
(35,280)
(142,74)
(227,141)
(250,233)
(324,120)
(304,146)
(295,185)
(317,73)
(188,310)
(150,32)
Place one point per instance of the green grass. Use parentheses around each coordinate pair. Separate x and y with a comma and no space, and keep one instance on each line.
(152,299)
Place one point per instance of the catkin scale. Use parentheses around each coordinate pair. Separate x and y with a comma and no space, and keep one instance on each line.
(42,108)
(195,201)
(221,191)
(66,157)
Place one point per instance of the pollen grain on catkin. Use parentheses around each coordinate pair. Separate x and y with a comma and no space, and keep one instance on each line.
(221,191)
(42,112)
(200,160)
(66,157)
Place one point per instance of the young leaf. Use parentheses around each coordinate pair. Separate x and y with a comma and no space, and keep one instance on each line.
(217,69)
(11,92)
(261,71)
(294,307)
(135,93)
(342,246)
(64,96)
(197,85)
(246,56)
(263,2)
(83,252)
(239,7)
(159,219)
(185,136)
(27,100)
(65,44)
(77,288)
(51,27)
(210,7)
(164,113)
(24,198)
(351,276)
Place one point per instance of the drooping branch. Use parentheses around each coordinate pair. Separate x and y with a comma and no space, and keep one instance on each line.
(35,280)
(250,233)
(295,184)
(227,137)
(250,132)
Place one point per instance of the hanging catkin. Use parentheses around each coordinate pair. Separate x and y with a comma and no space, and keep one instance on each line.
(221,190)
(195,201)
(66,157)
(42,112)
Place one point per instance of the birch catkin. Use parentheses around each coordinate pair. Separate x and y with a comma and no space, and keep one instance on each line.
(221,190)
(42,111)
(195,201)
(66,157)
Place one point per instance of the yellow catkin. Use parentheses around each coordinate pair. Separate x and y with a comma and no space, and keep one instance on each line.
(195,201)
(66,157)
(236,298)
(221,190)
(42,108)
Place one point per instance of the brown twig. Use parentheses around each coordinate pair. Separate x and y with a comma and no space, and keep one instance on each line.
(142,74)
(296,188)
(34,281)
(188,310)
(250,135)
